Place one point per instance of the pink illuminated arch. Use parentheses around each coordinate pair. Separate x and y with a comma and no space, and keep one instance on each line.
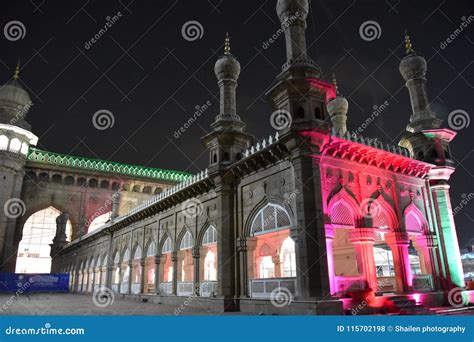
(414,219)
(383,215)
(343,209)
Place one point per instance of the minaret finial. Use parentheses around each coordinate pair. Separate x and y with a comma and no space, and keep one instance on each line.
(408,46)
(227,44)
(334,82)
(16,75)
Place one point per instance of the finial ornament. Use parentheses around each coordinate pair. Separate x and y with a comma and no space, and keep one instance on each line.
(16,75)
(227,44)
(408,46)
(334,82)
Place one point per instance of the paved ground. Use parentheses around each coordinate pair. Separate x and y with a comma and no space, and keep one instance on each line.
(83,305)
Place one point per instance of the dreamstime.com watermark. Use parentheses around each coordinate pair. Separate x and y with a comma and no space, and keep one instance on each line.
(198,111)
(46,330)
(105,208)
(21,112)
(464,24)
(23,287)
(465,200)
(377,110)
(288,22)
(111,20)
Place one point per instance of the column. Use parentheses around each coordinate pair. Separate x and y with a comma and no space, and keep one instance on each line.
(449,246)
(363,241)
(119,285)
(130,276)
(277,265)
(330,257)
(109,263)
(115,206)
(174,260)
(157,273)
(143,277)
(196,271)
(398,243)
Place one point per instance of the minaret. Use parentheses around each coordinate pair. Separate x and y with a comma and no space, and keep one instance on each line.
(298,91)
(15,140)
(337,109)
(429,142)
(227,141)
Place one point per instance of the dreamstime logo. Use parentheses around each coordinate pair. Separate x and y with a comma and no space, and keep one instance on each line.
(370,30)
(458,119)
(192,208)
(14,208)
(14,30)
(192,30)
(103,297)
(280,119)
(456,298)
(103,119)
(280,297)
(370,208)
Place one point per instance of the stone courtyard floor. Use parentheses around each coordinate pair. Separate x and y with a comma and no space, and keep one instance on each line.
(82,305)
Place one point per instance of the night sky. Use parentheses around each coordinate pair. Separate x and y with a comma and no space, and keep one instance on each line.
(151,78)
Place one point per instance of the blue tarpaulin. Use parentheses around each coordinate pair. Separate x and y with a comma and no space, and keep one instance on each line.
(29,282)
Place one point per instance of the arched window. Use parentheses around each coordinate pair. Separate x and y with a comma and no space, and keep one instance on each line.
(186,241)
(15,145)
(414,219)
(138,253)
(210,236)
(167,246)
(99,221)
(38,233)
(270,218)
(341,214)
(24,148)
(126,255)
(3,142)
(116,258)
(151,251)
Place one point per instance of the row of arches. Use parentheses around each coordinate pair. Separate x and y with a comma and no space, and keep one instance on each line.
(92,182)
(13,145)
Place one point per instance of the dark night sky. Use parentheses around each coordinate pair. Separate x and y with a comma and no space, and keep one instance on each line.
(151,78)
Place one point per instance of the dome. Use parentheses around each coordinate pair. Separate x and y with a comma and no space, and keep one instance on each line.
(286,8)
(412,66)
(338,106)
(13,95)
(227,67)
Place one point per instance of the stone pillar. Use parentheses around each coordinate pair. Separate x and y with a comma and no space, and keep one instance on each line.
(59,240)
(398,243)
(109,262)
(115,206)
(130,276)
(242,249)
(157,273)
(309,230)
(330,257)
(196,271)
(277,265)
(76,280)
(174,260)
(101,272)
(143,277)
(451,256)
(363,240)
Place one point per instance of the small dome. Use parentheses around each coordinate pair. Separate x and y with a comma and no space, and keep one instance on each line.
(411,66)
(286,8)
(13,95)
(227,67)
(338,106)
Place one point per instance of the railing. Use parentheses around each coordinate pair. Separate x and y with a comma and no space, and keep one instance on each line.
(208,288)
(97,287)
(124,288)
(115,287)
(185,288)
(136,288)
(423,282)
(166,288)
(262,288)
(350,283)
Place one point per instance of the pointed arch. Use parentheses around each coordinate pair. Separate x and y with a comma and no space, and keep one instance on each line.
(166,245)
(382,212)
(413,219)
(137,252)
(247,231)
(186,239)
(126,255)
(209,237)
(150,248)
(343,209)
(270,218)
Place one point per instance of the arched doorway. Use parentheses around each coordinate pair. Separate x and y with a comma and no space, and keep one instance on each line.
(149,286)
(34,248)
(166,268)
(273,256)
(185,266)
